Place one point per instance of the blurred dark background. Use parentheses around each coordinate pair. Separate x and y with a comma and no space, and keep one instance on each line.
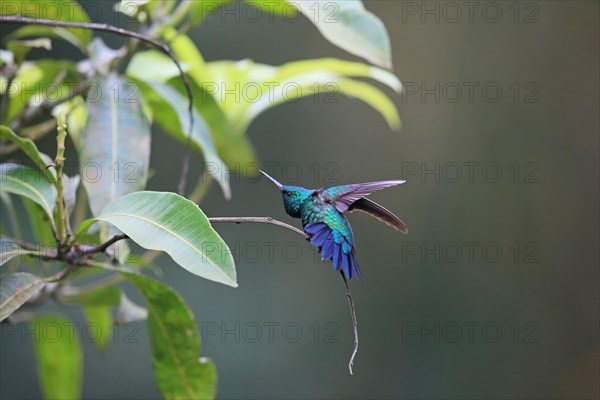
(494,292)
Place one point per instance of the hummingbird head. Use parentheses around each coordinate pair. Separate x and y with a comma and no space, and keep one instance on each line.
(292,196)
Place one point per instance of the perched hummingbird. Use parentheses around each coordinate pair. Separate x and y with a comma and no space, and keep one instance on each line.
(321,211)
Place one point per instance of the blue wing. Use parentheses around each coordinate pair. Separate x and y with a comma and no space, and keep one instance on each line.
(334,246)
(344,196)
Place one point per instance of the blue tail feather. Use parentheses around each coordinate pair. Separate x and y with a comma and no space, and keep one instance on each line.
(337,250)
(354,265)
(340,252)
(347,270)
(327,249)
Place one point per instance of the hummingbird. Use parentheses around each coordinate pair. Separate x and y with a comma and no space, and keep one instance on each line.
(323,220)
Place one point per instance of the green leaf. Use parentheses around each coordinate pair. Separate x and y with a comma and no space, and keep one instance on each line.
(56,10)
(99,317)
(39,222)
(9,208)
(374,97)
(200,10)
(9,249)
(153,65)
(20,48)
(59,357)
(38,81)
(102,296)
(263,86)
(29,148)
(209,121)
(233,146)
(348,25)
(174,118)
(115,144)
(275,7)
(24,181)
(171,223)
(97,307)
(15,290)
(179,372)
(187,53)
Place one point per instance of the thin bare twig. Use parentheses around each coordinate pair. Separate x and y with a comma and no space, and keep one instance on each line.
(262,220)
(102,247)
(354,323)
(13,19)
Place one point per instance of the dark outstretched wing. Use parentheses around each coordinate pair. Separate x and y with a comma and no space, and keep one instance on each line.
(379,212)
(334,246)
(343,196)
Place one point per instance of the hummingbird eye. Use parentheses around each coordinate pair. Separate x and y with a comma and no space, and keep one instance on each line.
(288,194)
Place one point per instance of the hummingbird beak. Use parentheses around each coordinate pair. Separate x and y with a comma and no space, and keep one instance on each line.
(279,185)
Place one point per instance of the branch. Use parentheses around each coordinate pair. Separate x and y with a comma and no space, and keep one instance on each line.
(354,323)
(123,32)
(102,247)
(261,220)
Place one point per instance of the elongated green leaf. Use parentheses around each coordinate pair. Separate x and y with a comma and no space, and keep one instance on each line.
(20,48)
(348,25)
(179,372)
(59,357)
(115,144)
(56,10)
(39,221)
(232,146)
(187,52)
(260,87)
(29,148)
(105,296)
(152,65)
(9,249)
(100,318)
(27,182)
(15,290)
(10,216)
(374,97)
(97,307)
(275,7)
(174,118)
(171,223)
(201,10)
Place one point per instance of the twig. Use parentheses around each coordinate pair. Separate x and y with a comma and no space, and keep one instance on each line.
(119,31)
(61,216)
(150,255)
(102,247)
(262,220)
(354,323)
